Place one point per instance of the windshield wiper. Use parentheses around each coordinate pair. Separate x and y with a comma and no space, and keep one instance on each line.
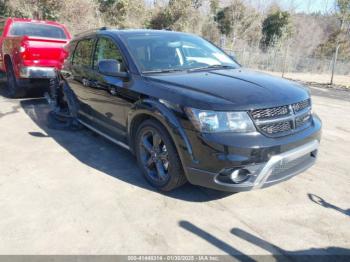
(170,70)
(212,67)
(163,71)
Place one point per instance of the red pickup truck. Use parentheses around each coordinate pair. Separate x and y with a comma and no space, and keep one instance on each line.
(30,51)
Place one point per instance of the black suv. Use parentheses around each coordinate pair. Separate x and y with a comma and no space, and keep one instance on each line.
(187,110)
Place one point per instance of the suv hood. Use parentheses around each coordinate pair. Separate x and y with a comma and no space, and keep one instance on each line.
(232,89)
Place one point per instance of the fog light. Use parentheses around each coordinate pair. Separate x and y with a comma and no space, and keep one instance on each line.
(240,175)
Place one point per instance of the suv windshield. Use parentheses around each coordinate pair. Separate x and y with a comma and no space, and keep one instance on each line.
(165,52)
(34,29)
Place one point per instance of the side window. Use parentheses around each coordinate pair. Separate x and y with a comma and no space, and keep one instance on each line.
(83,51)
(2,26)
(106,49)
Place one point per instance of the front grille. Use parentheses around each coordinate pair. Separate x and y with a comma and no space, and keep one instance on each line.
(302,120)
(283,120)
(301,105)
(284,168)
(270,112)
(279,127)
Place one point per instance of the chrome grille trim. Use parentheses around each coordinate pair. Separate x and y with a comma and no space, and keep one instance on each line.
(279,167)
(301,105)
(287,157)
(302,119)
(270,112)
(272,122)
(278,127)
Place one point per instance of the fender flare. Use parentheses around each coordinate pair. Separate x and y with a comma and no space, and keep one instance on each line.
(155,109)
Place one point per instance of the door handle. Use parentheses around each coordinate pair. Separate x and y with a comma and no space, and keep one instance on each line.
(89,83)
(85,82)
(93,83)
(113,91)
(66,74)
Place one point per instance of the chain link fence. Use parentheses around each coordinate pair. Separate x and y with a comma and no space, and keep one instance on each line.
(288,62)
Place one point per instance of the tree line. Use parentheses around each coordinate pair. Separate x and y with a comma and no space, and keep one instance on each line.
(233,24)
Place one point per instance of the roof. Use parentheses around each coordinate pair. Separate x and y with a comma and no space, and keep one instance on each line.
(144,31)
(127,32)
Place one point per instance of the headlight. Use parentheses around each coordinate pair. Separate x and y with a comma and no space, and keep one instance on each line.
(213,121)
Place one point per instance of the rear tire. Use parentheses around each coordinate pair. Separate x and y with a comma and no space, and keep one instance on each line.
(13,90)
(157,157)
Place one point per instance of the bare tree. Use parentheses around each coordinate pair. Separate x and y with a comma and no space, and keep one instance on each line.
(343,14)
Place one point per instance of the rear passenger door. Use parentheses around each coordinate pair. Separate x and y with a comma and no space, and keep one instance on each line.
(81,71)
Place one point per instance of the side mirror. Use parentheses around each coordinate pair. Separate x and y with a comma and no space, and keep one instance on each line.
(111,67)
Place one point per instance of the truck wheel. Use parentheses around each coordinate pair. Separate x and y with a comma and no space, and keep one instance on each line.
(13,90)
(157,157)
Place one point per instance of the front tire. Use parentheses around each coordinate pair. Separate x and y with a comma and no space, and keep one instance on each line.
(157,157)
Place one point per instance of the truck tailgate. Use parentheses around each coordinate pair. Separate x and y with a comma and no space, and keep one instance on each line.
(46,52)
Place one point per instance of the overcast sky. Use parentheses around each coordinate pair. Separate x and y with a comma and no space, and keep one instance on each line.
(310,6)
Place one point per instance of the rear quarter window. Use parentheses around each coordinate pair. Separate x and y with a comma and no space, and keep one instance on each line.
(39,30)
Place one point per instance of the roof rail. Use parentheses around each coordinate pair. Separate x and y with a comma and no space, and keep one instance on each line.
(91,31)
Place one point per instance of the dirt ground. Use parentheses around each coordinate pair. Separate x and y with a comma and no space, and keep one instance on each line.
(340,80)
(66,192)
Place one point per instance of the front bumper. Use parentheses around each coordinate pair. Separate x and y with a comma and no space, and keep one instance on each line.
(264,160)
(279,168)
(37,72)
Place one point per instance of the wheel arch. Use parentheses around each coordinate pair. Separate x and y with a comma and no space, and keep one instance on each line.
(153,109)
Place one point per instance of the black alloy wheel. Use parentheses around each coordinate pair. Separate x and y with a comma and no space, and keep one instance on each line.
(157,157)
(154,156)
